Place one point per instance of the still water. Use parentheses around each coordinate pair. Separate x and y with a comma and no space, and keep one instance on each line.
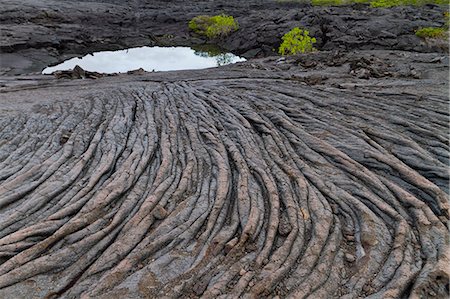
(150,59)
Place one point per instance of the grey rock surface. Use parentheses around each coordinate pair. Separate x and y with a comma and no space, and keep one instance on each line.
(275,177)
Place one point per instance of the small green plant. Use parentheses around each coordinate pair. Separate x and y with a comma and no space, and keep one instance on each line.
(296,41)
(214,26)
(431,32)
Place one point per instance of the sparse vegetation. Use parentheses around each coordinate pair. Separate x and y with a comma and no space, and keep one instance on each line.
(214,26)
(431,32)
(296,41)
(435,32)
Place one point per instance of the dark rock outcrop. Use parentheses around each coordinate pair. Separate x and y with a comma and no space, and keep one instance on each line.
(36,34)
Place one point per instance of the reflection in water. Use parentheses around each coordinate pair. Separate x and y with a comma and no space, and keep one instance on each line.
(150,59)
(222,58)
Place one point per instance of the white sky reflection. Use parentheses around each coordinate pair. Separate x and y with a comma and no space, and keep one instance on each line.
(148,58)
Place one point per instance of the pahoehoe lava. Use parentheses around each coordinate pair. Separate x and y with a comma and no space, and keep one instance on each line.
(224,183)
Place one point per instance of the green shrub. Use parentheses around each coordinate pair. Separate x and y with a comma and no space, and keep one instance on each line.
(296,41)
(199,24)
(213,27)
(431,32)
